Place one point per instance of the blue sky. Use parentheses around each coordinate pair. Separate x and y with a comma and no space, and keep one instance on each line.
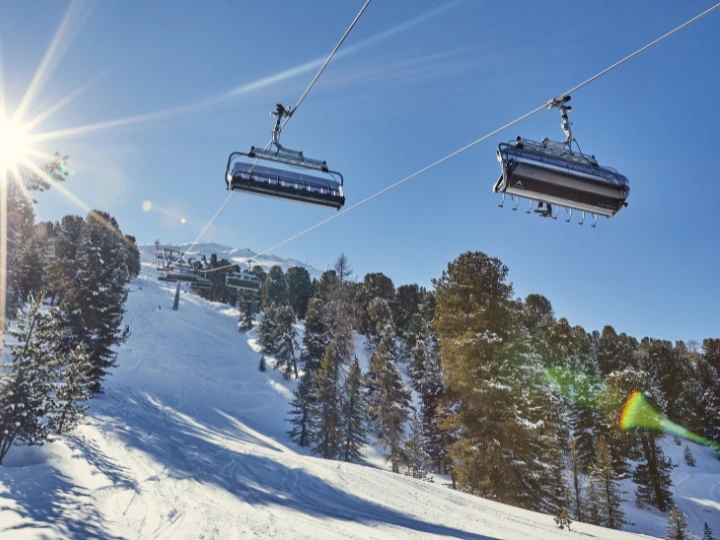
(417,80)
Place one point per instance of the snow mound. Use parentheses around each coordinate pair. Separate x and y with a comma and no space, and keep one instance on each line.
(189,441)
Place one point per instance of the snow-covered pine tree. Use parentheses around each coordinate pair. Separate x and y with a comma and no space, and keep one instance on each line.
(71,390)
(689,458)
(327,435)
(262,366)
(287,342)
(381,321)
(275,288)
(303,405)
(707,533)
(354,416)
(246,303)
(677,526)
(25,391)
(416,460)
(317,334)
(408,300)
(593,504)
(63,264)
(709,386)
(575,470)
(652,474)
(609,494)
(388,401)
(503,452)
(267,330)
(93,302)
(300,289)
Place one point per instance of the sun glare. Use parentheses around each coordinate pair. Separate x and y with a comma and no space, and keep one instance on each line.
(15,147)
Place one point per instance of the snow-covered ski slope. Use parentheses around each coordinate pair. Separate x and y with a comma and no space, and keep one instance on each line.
(189,442)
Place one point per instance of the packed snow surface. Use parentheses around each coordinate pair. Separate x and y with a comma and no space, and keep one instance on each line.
(189,441)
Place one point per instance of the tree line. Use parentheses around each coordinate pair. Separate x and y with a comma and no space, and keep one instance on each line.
(515,404)
(65,296)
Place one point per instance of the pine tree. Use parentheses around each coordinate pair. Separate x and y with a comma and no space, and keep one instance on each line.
(25,385)
(388,402)
(611,513)
(94,297)
(317,334)
(287,342)
(302,413)
(677,526)
(652,474)
(707,533)
(246,303)
(262,367)
(497,383)
(300,289)
(354,416)
(575,471)
(408,301)
(340,317)
(72,388)
(343,270)
(275,288)
(327,435)
(593,503)
(416,459)
(381,321)
(267,330)
(689,458)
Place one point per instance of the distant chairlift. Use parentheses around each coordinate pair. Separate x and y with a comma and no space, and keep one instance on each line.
(179,272)
(281,183)
(551,173)
(243,280)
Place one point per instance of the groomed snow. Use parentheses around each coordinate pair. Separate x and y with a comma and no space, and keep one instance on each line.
(189,442)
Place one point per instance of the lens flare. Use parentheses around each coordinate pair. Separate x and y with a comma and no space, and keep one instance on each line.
(637,413)
(183,220)
(146,206)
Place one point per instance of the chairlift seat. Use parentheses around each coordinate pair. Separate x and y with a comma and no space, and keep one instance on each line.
(285,184)
(243,281)
(540,172)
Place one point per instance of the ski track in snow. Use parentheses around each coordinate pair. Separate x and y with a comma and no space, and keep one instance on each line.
(189,441)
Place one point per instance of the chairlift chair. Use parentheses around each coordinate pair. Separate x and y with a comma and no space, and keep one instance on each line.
(279,181)
(552,174)
(243,280)
(180,272)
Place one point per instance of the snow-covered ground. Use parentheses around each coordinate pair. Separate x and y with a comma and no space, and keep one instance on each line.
(189,441)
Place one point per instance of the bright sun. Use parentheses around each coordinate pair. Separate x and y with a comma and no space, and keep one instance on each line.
(15,147)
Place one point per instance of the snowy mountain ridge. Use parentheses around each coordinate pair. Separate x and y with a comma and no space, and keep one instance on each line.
(236,255)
